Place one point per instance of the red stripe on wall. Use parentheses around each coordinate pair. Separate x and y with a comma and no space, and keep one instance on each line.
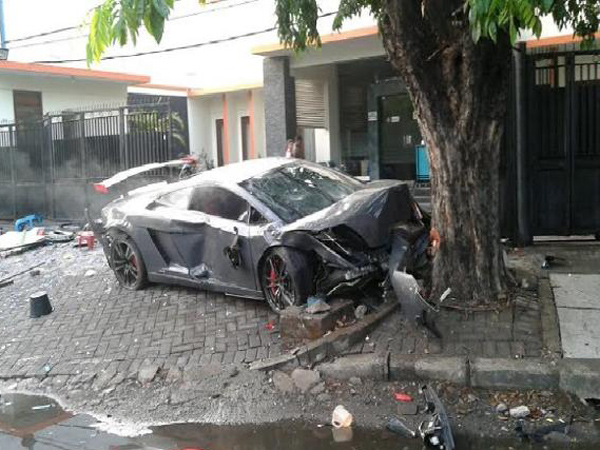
(251,114)
(225,131)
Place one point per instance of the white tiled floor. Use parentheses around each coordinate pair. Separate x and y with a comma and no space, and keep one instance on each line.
(578,303)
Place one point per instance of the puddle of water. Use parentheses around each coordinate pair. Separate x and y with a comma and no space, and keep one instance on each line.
(33,422)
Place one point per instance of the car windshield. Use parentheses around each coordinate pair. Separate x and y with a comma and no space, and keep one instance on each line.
(296,191)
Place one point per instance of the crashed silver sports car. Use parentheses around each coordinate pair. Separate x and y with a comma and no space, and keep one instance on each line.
(275,229)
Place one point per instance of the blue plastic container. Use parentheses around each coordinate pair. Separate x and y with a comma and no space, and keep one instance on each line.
(422,163)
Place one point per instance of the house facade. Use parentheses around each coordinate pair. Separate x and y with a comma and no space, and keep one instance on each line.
(29,91)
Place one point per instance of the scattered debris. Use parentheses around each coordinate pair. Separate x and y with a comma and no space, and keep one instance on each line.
(305,379)
(283,382)
(89,273)
(270,325)
(501,408)
(355,381)
(555,432)
(402,397)
(396,425)
(8,280)
(317,304)
(520,412)
(15,240)
(435,431)
(58,236)
(341,417)
(147,373)
(6,283)
(360,312)
(318,389)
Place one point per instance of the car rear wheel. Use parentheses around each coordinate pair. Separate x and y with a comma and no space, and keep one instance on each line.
(286,277)
(127,263)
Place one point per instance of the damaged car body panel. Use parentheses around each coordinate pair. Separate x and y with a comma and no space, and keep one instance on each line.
(275,228)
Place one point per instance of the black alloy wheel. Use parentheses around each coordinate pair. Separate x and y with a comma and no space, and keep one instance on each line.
(127,264)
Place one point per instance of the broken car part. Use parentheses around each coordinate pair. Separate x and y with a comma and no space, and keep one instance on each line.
(398,426)
(435,430)
(274,229)
(9,278)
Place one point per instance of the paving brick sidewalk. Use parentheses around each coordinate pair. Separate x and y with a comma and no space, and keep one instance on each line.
(97,326)
(512,332)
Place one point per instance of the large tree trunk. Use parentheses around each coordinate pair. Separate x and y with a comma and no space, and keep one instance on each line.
(459,90)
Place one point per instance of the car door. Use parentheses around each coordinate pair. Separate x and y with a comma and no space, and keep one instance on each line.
(220,255)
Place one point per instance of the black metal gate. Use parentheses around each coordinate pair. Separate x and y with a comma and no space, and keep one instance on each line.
(563,142)
(48,167)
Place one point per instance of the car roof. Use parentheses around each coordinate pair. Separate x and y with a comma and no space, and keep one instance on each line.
(241,171)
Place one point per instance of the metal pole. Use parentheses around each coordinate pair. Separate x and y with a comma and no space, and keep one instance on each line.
(2,26)
(524,236)
(13,175)
(170,154)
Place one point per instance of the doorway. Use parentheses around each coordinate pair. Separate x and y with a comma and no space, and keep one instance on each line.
(563,142)
(399,134)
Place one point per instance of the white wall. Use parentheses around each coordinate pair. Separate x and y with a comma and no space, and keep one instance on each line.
(202,114)
(59,93)
(203,111)
(259,123)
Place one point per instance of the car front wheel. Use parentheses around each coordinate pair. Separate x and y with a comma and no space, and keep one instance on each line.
(127,263)
(286,277)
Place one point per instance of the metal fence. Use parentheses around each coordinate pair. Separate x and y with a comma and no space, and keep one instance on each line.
(48,167)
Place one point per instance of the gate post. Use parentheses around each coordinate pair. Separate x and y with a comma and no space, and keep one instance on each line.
(122,139)
(13,174)
(523,222)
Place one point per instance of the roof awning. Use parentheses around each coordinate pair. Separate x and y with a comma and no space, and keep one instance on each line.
(71,72)
(278,49)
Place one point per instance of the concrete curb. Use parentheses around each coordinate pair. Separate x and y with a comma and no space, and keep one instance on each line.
(549,317)
(581,377)
(370,365)
(330,345)
(494,373)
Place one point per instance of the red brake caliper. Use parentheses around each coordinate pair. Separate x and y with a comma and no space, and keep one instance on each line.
(272,278)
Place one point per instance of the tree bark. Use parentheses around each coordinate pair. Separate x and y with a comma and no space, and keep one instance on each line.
(459,89)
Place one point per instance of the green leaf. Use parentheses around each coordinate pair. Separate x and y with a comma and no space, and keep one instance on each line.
(476,32)
(493,31)
(161,7)
(155,24)
(513,32)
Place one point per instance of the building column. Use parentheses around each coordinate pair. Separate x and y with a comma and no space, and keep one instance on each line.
(523,224)
(280,104)
(333,115)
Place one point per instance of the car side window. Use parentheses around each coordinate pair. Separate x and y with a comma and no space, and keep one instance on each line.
(179,199)
(216,201)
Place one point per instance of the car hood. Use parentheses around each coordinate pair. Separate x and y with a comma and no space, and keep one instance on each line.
(370,212)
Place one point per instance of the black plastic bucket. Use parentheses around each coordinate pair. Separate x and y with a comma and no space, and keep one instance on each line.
(39,305)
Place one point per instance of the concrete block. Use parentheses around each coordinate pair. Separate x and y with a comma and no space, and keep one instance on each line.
(452,369)
(295,325)
(513,373)
(370,366)
(580,377)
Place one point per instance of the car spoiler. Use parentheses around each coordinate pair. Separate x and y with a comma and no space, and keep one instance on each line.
(119,180)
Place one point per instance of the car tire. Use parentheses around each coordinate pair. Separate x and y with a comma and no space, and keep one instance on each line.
(286,276)
(127,263)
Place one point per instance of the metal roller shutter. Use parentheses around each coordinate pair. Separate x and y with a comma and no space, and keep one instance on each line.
(310,104)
